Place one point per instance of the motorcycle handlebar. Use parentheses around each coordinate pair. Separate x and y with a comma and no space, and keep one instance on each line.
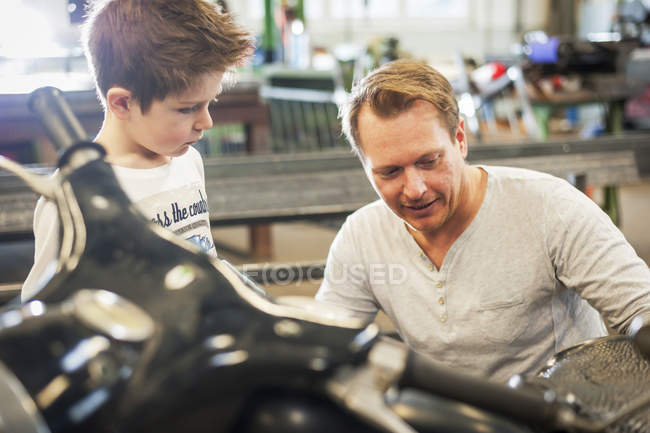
(530,408)
(61,125)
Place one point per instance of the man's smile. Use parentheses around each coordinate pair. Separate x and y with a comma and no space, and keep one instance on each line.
(420,206)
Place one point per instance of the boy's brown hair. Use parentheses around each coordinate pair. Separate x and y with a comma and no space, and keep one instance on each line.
(155,48)
(391,89)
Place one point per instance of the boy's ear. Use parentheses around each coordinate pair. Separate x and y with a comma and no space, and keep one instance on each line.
(120,102)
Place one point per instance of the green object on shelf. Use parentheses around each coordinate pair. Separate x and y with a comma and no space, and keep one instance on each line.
(225,139)
(268,35)
(615,117)
(300,10)
(610,203)
(543,116)
(614,125)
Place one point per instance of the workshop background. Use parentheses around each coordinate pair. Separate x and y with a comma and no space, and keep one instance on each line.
(554,85)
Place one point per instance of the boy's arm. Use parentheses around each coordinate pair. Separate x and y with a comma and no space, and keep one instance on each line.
(46,241)
(198,161)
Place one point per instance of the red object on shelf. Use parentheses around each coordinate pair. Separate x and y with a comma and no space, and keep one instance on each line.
(498,69)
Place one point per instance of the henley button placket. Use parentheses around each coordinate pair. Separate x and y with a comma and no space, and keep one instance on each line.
(441,301)
(441,292)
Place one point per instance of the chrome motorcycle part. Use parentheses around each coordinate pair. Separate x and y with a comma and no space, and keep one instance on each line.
(18,412)
(219,342)
(429,413)
(58,119)
(179,277)
(362,389)
(112,315)
(528,405)
(258,300)
(38,183)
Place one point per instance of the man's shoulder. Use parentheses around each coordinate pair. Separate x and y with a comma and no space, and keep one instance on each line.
(517,173)
(526,180)
(370,233)
(369,220)
(533,190)
(374,211)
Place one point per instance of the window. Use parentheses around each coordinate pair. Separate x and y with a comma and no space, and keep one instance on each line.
(437,8)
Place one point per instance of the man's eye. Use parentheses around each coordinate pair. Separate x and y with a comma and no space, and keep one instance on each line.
(428,163)
(388,172)
(187,110)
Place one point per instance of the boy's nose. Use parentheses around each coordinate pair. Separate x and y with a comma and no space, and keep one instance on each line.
(204,121)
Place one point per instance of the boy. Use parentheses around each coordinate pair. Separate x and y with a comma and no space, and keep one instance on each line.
(157,65)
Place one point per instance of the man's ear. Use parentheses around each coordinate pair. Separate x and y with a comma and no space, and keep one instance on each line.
(461,137)
(120,102)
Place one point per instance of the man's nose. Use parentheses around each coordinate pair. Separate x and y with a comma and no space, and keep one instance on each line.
(204,121)
(414,184)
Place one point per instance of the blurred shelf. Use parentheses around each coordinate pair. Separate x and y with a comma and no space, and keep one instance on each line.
(265,188)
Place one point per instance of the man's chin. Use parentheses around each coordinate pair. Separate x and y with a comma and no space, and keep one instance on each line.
(422,226)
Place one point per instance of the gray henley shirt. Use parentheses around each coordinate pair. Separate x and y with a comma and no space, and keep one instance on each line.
(526,279)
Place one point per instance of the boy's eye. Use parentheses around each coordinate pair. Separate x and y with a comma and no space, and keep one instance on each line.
(187,110)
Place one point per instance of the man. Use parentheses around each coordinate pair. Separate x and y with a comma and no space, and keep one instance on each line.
(487,269)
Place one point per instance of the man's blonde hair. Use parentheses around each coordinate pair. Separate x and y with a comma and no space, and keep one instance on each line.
(155,48)
(391,89)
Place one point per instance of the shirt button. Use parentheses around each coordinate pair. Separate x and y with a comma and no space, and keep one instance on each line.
(441,301)
(443,318)
(439,284)
(431,267)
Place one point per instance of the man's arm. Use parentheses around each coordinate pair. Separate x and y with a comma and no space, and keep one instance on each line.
(591,256)
(345,282)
